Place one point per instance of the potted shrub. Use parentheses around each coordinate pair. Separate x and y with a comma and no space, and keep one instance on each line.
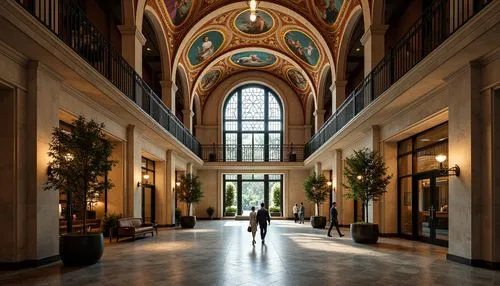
(80,160)
(366,179)
(110,224)
(316,190)
(210,212)
(229,202)
(230,211)
(275,210)
(177,216)
(189,191)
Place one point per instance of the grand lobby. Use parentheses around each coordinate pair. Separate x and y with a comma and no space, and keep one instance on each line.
(251,100)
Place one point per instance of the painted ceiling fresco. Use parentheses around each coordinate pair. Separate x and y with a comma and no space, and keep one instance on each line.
(275,29)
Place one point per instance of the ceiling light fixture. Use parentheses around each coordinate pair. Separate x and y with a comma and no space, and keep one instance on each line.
(253,9)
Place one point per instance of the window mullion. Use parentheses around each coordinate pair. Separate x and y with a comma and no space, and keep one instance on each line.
(266,125)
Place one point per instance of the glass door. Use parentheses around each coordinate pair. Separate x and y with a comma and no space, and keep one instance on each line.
(148,204)
(431,219)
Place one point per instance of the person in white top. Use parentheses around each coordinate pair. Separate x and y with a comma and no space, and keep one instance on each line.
(253,224)
(296,212)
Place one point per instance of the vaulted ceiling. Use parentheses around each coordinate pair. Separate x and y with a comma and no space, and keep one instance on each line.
(215,39)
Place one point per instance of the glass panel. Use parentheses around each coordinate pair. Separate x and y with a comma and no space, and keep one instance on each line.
(274,107)
(252,126)
(275,196)
(274,177)
(274,147)
(404,165)
(148,206)
(424,207)
(231,111)
(252,102)
(247,177)
(405,146)
(406,224)
(150,165)
(230,188)
(231,147)
(258,176)
(441,223)
(231,177)
(252,195)
(435,135)
(274,126)
(258,147)
(231,126)
(426,158)
(143,162)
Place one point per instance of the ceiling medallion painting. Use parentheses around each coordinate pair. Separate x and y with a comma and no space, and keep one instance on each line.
(328,10)
(302,46)
(297,79)
(205,47)
(178,10)
(262,23)
(254,59)
(210,79)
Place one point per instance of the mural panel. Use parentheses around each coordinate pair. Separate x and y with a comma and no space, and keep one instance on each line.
(209,79)
(328,10)
(178,10)
(297,79)
(302,46)
(261,25)
(204,47)
(253,59)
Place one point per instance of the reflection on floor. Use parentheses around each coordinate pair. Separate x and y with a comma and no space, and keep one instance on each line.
(220,253)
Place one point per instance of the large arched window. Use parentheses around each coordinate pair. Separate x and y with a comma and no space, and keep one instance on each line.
(253,125)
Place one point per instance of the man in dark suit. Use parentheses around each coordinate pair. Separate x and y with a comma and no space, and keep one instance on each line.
(263,219)
(334,221)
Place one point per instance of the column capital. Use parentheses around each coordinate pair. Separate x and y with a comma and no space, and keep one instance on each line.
(374,30)
(127,30)
(168,84)
(319,112)
(188,112)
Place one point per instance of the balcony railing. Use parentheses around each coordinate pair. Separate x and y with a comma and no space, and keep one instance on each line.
(253,153)
(437,23)
(69,23)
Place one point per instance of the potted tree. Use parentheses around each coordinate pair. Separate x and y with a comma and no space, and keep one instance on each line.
(80,162)
(366,179)
(316,190)
(275,210)
(228,204)
(177,216)
(210,212)
(189,191)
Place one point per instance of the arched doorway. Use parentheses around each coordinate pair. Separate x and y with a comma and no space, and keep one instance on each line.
(152,72)
(253,125)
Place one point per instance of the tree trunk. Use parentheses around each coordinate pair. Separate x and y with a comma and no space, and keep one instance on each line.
(85,208)
(365,209)
(190,211)
(316,211)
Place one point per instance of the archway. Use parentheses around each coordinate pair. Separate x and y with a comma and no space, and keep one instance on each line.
(309,115)
(196,108)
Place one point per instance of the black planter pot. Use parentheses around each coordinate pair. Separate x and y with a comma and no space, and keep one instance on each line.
(79,249)
(364,232)
(275,214)
(230,214)
(188,221)
(318,221)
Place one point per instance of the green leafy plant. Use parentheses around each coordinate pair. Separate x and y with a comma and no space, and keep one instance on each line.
(111,222)
(277,196)
(80,161)
(230,210)
(230,192)
(210,211)
(316,190)
(366,177)
(189,190)
(274,209)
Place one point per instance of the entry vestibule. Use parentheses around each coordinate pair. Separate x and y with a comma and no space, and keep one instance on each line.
(148,205)
(423,194)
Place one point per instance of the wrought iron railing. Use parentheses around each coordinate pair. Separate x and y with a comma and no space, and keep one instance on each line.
(68,22)
(253,153)
(437,23)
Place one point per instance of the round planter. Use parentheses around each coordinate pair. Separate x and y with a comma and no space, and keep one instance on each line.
(318,221)
(188,221)
(276,214)
(79,249)
(364,232)
(230,214)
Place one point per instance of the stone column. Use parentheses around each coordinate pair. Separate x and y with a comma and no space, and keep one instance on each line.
(318,171)
(374,145)
(319,115)
(132,42)
(338,93)
(170,187)
(473,199)
(374,45)
(168,90)
(134,161)
(337,181)
(389,202)
(188,119)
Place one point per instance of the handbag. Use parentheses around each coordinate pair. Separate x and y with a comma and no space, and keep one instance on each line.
(249,229)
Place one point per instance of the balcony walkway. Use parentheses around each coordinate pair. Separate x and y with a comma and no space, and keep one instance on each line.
(220,253)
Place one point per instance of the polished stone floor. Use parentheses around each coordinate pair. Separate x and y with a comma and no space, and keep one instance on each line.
(220,253)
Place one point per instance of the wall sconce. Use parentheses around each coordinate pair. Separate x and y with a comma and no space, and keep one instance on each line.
(178,184)
(329,183)
(455,170)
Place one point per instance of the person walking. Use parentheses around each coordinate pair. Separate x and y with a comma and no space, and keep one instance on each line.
(301,213)
(334,221)
(296,212)
(263,219)
(253,224)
